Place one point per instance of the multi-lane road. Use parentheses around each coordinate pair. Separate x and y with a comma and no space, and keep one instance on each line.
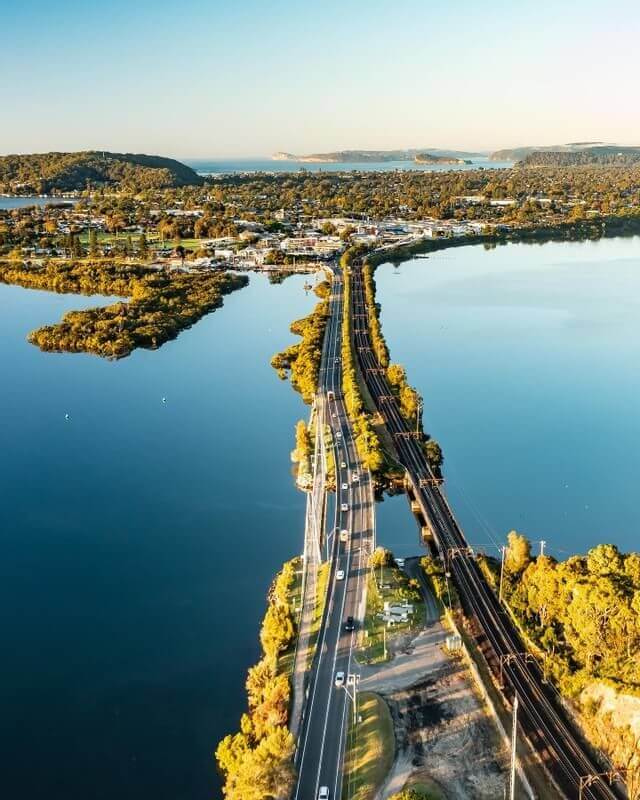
(321,743)
(542,718)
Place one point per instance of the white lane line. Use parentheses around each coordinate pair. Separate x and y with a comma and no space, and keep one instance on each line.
(321,652)
(325,627)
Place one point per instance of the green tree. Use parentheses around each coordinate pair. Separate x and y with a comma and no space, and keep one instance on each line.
(604,560)
(518,553)
(93,242)
(381,557)
(143,247)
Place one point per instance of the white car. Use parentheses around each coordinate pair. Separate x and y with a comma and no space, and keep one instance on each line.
(340,575)
(355,477)
(345,487)
(323,794)
(344,507)
(338,434)
(339,682)
(343,465)
(344,535)
(400,563)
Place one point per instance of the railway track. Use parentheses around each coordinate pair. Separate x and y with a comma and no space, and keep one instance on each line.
(542,718)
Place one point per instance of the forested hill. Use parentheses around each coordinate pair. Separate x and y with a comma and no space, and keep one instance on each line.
(592,156)
(43,173)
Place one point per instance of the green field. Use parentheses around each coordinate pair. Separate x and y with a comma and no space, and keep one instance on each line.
(370,748)
(387,584)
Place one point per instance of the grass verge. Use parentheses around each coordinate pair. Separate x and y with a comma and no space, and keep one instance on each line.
(387,584)
(370,749)
(321,596)
(294,596)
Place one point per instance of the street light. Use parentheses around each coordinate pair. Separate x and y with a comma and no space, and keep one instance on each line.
(353,679)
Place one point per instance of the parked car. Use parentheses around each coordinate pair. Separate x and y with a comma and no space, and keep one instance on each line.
(355,477)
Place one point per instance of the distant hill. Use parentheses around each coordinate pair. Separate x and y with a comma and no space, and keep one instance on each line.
(373,156)
(43,173)
(519,153)
(591,156)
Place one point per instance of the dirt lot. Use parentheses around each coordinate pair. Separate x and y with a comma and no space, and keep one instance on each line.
(445,738)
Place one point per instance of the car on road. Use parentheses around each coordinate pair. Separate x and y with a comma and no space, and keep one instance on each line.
(349,624)
(323,794)
(344,535)
(339,679)
(355,477)
(340,575)
(344,507)
(343,465)
(345,487)
(336,360)
(400,563)
(338,434)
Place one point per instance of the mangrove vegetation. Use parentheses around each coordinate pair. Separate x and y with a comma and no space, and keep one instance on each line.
(160,304)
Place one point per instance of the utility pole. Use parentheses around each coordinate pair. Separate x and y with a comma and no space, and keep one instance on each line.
(447,575)
(502,550)
(419,414)
(512,782)
(384,641)
(353,680)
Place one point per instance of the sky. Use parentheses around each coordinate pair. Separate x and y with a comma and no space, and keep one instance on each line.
(204,78)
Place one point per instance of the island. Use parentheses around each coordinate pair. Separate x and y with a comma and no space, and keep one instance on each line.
(430,158)
(378,156)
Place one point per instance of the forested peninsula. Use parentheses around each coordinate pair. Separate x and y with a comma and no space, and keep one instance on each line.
(45,173)
(161,305)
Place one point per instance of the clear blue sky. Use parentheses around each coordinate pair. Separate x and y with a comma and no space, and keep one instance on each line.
(209,78)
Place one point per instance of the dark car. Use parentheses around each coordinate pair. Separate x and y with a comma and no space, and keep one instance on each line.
(349,625)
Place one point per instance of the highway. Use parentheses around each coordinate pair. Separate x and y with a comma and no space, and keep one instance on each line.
(541,716)
(321,743)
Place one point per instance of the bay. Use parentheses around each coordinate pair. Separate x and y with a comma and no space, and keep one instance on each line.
(225,166)
(139,539)
(527,359)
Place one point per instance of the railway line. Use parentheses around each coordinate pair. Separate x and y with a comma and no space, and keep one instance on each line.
(542,718)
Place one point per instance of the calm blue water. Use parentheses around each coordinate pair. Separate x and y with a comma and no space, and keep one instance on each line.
(225,166)
(139,538)
(23,202)
(138,542)
(527,357)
